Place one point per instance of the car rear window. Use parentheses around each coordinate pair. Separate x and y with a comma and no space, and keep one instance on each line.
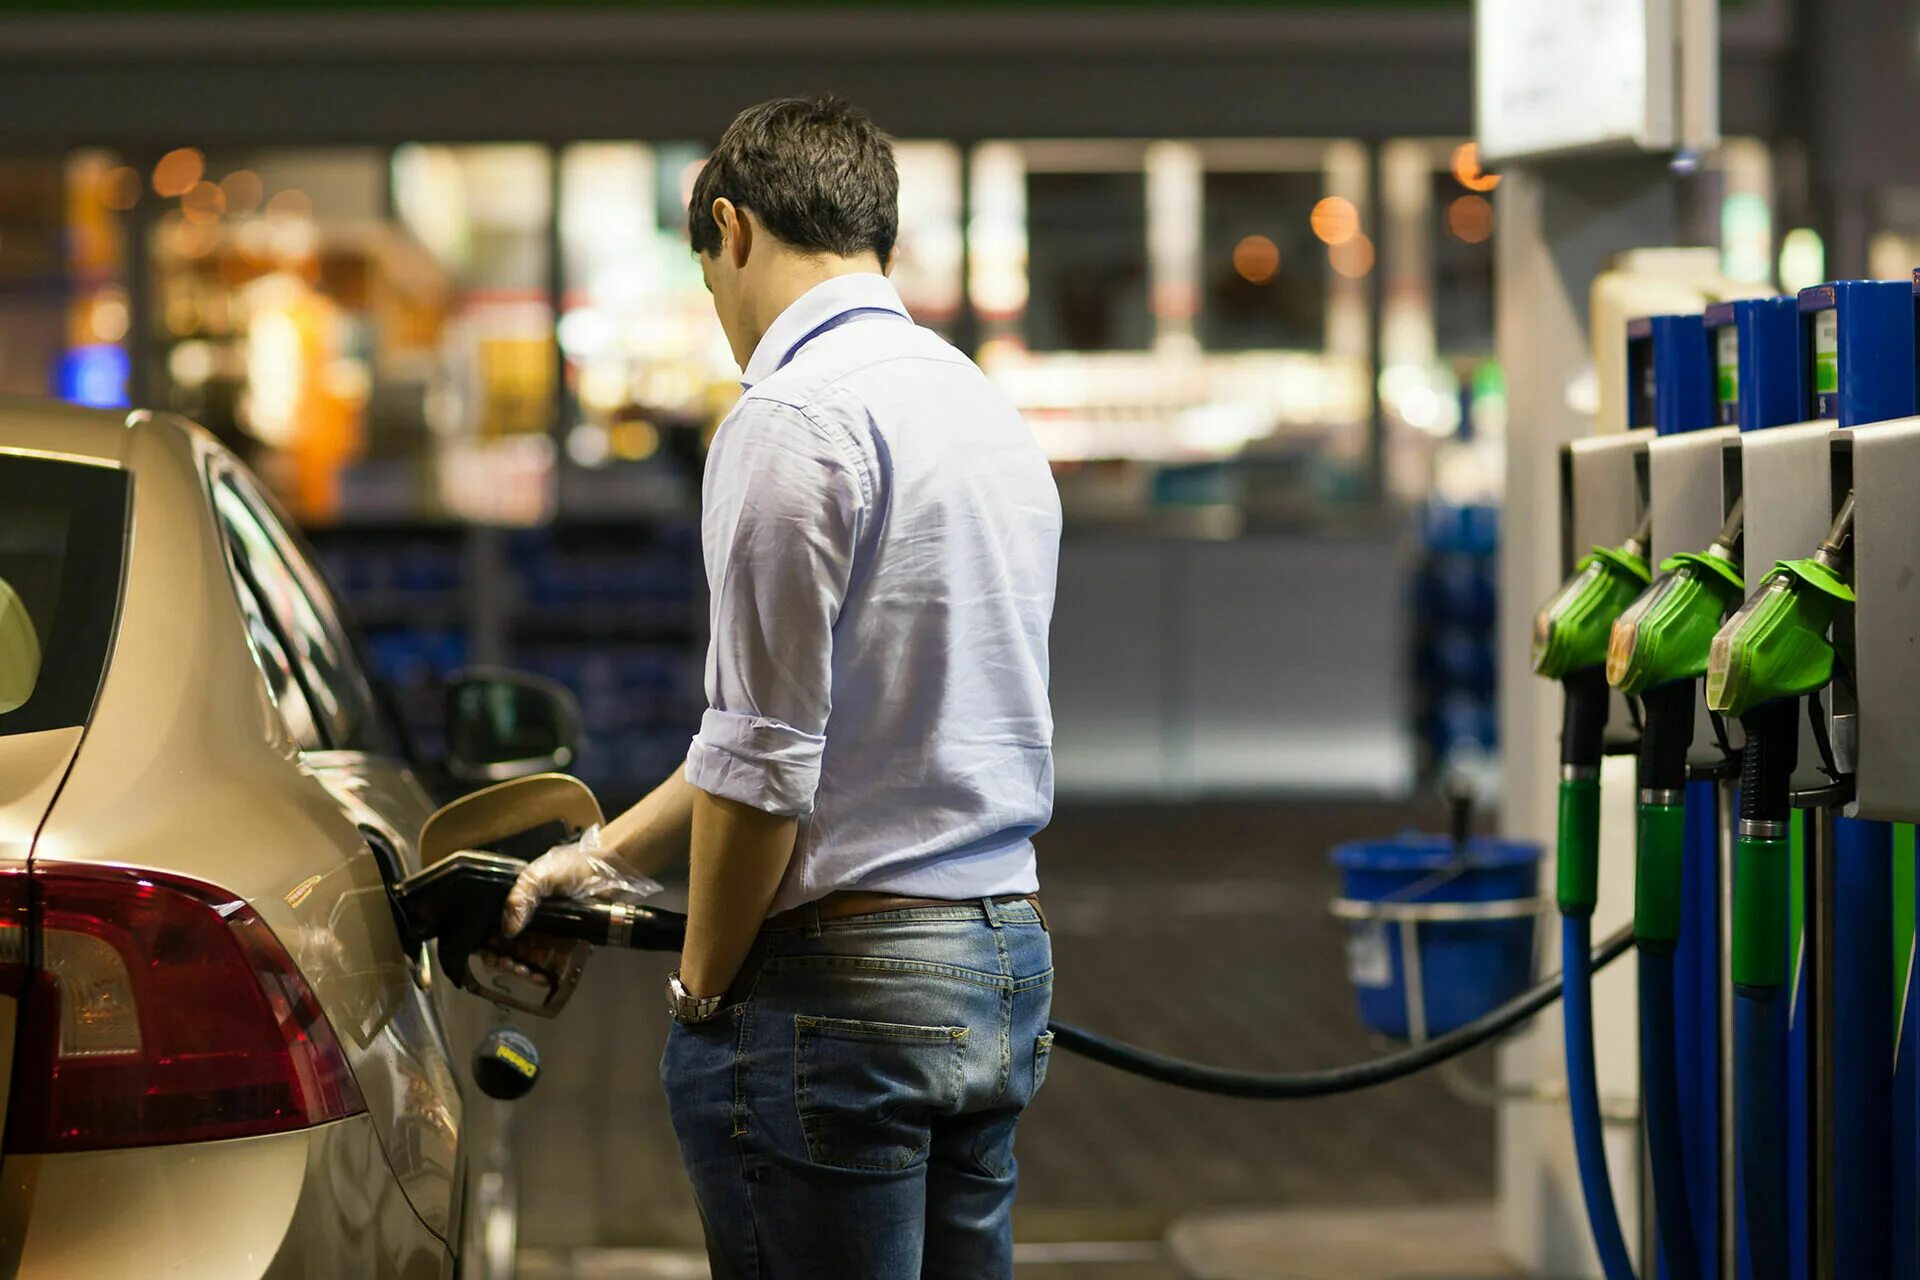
(63,532)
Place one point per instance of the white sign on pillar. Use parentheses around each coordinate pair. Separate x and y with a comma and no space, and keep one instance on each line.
(1554,77)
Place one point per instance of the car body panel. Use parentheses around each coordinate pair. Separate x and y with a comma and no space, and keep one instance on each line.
(32,765)
(311,1204)
(188,767)
(47,429)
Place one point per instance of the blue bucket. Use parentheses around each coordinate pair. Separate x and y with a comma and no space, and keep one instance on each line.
(1467,967)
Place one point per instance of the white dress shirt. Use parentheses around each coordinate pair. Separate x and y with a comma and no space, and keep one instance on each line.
(881,534)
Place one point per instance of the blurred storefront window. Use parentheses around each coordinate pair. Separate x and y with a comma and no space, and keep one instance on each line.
(485,215)
(1087,262)
(291,316)
(64,315)
(645,359)
(1190,316)
(1442,400)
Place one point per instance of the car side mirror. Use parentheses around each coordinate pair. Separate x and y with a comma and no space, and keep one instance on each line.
(507,724)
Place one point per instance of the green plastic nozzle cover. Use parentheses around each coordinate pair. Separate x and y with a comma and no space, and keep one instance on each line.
(1776,646)
(1667,632)
(1570,632)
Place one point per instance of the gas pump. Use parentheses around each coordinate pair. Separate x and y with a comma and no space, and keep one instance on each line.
(1877,466)
(1607,510)
(1657,654)
(1670,358)
(1771,665)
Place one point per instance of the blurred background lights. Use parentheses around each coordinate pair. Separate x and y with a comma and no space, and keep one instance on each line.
(586,332)
(177,171)
(1746,238)
(1256,259)
(243,190)
(1352,257)
(120,189)
(1803,260)
(1470,218)
(203,202)
(290,204)
(1467,171)
(634,439)
(109,316)
(1335,220)
(190,363)
(588,446)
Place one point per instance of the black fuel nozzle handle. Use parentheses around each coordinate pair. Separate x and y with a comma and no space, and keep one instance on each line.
(1583,724)
(459,900)
(1768,760)
(1667,716)
(610,924)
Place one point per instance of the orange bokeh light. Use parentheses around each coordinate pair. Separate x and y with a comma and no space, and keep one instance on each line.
(177,171)
(1256,259)
(1470,218)
(1352,257)
(290,203)
(120,189)
(1335,220)
(1467,171)
(205,202)
(243,190)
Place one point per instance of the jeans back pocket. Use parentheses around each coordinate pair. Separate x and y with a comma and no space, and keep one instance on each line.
(868,1091)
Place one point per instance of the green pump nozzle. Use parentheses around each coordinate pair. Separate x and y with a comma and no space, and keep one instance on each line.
(1570,632)
(1776,645)
(1666,633)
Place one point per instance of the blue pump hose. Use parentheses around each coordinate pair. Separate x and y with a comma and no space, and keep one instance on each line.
(1583,1096)
(1659,1078)
(1761,1113)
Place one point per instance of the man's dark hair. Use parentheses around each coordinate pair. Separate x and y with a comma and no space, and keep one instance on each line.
(815,172)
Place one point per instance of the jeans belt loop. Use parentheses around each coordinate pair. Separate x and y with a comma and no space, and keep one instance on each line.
(810,916)
(992,909)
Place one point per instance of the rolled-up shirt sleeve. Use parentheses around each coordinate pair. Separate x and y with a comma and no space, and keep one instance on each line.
(781,512)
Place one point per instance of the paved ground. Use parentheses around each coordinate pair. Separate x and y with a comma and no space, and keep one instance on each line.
(1201,930)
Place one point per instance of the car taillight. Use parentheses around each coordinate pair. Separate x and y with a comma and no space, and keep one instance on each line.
(157,1009)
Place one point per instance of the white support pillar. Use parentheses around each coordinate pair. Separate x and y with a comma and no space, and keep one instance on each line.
(1560,224)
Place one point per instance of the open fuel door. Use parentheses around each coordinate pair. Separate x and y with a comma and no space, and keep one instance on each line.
(471,852)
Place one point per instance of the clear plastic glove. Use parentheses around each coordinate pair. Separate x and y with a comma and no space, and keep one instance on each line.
(580,869)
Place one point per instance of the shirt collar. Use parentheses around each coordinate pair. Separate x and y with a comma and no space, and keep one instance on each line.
(820,305)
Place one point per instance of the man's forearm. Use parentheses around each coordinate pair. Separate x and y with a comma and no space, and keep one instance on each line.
(655,833)
(739,855)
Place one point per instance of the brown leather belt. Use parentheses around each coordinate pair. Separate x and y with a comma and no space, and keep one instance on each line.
(844,904)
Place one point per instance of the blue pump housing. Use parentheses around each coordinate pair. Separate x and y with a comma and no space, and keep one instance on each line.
(1670,374)
(1872,374)
(1756,349)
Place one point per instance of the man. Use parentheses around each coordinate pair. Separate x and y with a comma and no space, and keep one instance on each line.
(861,1005)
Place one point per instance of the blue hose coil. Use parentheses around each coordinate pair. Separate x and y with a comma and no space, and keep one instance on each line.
(1583,1097)
(1660,1081)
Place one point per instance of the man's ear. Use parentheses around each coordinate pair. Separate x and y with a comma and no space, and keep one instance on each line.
(736,231)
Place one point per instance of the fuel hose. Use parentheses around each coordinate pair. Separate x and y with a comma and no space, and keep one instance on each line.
(1761,887)
(1275,1086)
(1585,718)
(1660,850)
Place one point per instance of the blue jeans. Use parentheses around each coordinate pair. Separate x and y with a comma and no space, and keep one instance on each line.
(850,1115)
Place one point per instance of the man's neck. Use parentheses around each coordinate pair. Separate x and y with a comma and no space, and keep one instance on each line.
(793,275)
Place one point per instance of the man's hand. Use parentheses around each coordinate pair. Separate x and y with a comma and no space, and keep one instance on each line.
(580,869)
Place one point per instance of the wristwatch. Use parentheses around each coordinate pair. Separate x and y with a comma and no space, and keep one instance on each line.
(687,1007)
